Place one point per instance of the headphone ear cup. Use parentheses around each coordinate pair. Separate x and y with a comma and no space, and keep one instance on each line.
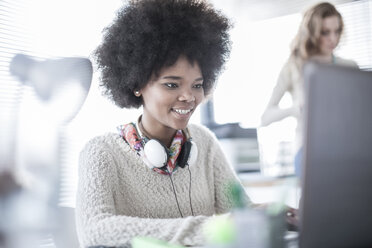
(155,154)
(184,154)
(193,154)
(188,154)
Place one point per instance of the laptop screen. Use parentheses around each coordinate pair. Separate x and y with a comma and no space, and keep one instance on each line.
(336,204)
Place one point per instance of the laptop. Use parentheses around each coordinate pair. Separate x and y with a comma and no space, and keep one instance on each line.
(336,204)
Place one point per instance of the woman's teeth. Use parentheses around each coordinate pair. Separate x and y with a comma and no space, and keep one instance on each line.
(182,111)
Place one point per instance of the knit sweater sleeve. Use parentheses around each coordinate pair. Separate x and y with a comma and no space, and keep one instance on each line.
(99,224)
(224,178)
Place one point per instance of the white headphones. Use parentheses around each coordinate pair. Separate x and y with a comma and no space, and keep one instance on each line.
(156,155)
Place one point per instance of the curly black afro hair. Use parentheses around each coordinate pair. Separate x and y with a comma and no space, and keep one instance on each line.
(148,35)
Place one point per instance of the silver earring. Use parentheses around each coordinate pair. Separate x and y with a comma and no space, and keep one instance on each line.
(137,93)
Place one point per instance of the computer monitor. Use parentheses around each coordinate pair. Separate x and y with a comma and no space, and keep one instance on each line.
(336,204)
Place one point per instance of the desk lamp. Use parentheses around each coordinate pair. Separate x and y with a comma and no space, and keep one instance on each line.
(61,85)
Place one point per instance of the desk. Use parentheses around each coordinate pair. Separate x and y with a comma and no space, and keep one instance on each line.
(291,241)
(263,189)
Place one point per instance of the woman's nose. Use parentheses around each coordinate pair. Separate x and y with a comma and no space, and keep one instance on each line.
(186,96)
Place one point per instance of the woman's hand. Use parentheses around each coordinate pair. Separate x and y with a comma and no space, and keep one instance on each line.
(292,219)
(291,215)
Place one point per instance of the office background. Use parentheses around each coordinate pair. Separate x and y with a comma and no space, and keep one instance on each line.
(261,36)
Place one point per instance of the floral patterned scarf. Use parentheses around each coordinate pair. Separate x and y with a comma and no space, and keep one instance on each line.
(136,142)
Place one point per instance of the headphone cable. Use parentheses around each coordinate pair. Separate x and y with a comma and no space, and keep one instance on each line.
(192,211)
(174,191)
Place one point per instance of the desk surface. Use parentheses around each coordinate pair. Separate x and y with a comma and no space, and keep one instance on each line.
(263,189)
(291,241)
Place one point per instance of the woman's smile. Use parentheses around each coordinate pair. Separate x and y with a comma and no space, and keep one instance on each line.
(170,99)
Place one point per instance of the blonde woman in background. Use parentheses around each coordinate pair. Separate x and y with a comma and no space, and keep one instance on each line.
(317,37)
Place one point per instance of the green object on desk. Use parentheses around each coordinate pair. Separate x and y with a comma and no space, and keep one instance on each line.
(147,242)
(220,230)
(237,192)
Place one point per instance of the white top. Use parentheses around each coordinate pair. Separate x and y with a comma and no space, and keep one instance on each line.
(120,198)
(290,80)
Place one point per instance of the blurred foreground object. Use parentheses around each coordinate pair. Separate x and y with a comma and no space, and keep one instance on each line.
(260,226)
(8,184)
(29,195)
(62,83)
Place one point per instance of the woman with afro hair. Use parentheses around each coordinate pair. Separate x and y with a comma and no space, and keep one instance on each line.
(158,176)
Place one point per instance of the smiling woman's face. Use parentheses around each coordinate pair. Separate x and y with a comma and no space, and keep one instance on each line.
(171,98)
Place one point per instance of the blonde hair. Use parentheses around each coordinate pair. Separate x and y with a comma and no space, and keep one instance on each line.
(306,42)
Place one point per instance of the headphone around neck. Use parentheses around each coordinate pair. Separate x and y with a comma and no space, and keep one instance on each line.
(156,155)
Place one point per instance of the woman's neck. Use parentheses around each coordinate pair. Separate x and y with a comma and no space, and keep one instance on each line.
(165,136)
(328,59)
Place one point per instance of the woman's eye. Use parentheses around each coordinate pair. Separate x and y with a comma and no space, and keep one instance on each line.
(324,33)
(171,85)
(198,86)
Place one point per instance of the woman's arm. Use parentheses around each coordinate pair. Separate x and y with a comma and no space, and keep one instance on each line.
(225,179)
(272,112)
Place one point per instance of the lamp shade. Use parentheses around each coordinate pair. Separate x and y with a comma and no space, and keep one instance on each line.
(61,83)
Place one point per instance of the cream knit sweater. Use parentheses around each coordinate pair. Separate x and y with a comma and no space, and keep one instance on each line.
(120,198)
